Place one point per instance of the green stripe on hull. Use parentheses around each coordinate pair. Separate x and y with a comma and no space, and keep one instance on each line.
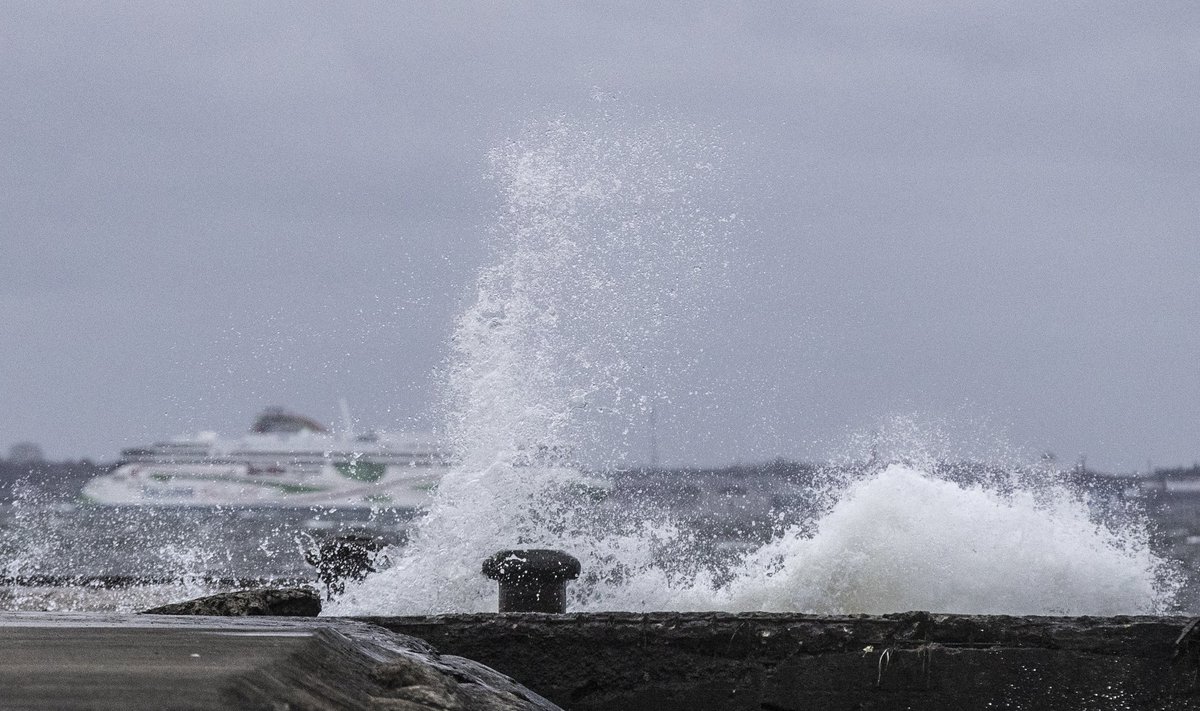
(279,486)
(361,471)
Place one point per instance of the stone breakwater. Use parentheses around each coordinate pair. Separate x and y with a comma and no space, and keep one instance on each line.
(915,660)
(592,661)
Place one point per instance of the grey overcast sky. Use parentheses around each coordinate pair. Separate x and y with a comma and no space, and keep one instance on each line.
(975,211)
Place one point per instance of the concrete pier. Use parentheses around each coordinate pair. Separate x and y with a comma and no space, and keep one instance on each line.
(600,662)
(787,662)
(132,662)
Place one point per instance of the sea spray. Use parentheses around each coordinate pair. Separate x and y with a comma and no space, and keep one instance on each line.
(603,253)
(603,249)
(904,540)
(58,556)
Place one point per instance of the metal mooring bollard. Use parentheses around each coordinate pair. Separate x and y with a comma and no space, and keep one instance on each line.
(532,580)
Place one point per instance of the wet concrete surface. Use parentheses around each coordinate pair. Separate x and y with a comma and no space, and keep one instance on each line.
(81,661)
(599,662)
(665,661)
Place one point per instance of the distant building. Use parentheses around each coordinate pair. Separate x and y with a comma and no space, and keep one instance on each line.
(25,453)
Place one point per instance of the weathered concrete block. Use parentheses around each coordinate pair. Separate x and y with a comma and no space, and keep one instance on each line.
(785,662)
(133,662)
(276,602)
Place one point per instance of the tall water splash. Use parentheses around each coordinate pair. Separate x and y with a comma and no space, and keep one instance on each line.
(601,246)
(604,250)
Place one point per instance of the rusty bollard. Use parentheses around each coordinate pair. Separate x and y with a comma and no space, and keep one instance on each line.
(532,580)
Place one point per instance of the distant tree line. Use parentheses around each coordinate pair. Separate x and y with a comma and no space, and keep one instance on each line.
(1178,472)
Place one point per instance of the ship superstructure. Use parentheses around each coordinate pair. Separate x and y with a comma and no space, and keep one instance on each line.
(285,460)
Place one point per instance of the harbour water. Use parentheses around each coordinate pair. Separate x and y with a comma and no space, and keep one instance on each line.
(64,556)
(990,553)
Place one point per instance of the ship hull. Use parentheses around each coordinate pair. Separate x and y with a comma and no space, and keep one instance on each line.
(240,485)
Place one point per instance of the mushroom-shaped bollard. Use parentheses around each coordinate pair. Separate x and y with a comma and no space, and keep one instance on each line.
(532,580)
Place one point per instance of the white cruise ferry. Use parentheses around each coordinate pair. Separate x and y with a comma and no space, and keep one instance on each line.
(286,460)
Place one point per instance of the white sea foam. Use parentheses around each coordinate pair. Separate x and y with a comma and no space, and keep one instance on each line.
(902,540)
(603,248)
(897,540)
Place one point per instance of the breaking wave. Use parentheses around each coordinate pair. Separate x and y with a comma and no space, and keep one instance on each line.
(605,251)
